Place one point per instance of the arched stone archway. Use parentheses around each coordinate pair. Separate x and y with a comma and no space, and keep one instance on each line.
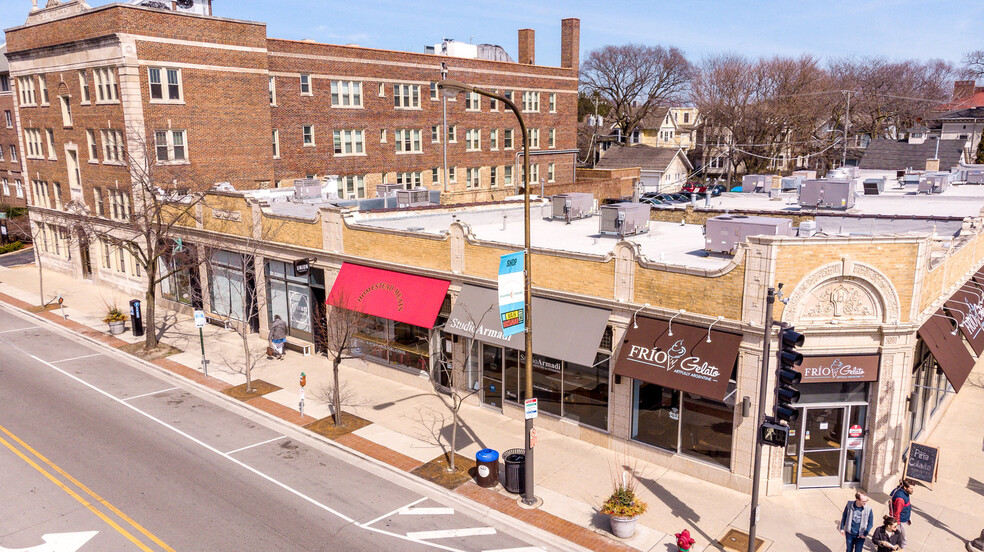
(843,292)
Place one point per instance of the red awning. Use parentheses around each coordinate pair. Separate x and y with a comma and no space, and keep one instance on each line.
(396,296)
(948,348)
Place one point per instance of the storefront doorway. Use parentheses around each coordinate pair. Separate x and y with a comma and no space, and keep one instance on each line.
(826,446)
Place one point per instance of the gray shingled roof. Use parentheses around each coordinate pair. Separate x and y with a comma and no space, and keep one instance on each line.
(4,66)
(646,157)
(893,155)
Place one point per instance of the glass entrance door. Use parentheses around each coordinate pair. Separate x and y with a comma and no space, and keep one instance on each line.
(822,445)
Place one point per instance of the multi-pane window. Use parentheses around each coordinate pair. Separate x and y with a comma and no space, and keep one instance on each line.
(165,83)
(494,139)
(8,118)
(32,138)
(306,84)
(346,94)
(534,138)
(407,140)
(119,205)
(409,180)
(349,142)
(113,145)
(84,85)
(57,193)
(435,92)
(97,200)
(352,187)
(19,188)
(1,153)
(507,138)
(406,96)
(507,175)
(171,145)
(272,86)
(307,131)
(553,102)
(4,83)
(508,95)
(534,173)
(66,110)
(452,174)
(50,136)
(473,178)
(6,186)
(453,134)
(25,85)
(43,89)
(13,153)
(105,84)
(531,101)
(435,134)
(494,177)
(473,139)
(276,144)
(473,102)
(435,176)
(551,172)
(552,138)
(493,104)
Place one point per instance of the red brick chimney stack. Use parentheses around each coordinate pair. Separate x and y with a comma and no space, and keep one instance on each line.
(570,43)
(527,47)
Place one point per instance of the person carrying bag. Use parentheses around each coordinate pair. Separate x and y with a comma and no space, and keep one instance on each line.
(278,336)
(888,537)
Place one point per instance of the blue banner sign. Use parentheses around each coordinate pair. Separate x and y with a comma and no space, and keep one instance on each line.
(512,307)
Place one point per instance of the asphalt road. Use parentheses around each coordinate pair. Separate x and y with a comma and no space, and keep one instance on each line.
(91,442)
(17,258)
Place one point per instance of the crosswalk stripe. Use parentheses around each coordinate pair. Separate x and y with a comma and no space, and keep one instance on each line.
(451,533)
(426,511)
(523,549)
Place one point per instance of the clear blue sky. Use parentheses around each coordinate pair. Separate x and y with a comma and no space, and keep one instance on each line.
(919,29)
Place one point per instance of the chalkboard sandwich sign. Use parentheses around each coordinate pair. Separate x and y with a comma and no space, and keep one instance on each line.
(922,463)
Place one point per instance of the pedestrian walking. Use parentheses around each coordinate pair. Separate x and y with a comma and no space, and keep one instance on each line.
(900,506)
(856,522)
(278,336)
(888,537)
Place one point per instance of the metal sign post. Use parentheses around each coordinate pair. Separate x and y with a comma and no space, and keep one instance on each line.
(200,323)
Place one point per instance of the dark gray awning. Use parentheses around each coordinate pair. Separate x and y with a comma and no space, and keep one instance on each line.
(563,331)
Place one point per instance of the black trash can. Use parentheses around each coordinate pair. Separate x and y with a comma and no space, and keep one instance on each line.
(136,321)
(515,461)
(487,466)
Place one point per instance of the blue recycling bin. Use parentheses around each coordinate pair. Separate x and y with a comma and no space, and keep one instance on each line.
(487,468)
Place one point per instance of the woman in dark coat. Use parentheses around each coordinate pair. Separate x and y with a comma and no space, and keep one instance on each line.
(888,538)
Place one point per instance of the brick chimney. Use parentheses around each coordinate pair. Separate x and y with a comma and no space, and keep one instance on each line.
(570,43)
(527,46)
(963,89)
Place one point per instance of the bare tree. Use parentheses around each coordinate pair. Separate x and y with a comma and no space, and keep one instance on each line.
(973,64)
(143,217)
(634,80)
(336,340)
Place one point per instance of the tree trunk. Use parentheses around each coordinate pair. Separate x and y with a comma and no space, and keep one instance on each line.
(454,428)
(37,255)
(244,333)
(150,321)
(336,395)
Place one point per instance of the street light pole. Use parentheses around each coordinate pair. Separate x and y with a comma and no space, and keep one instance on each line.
(452,87)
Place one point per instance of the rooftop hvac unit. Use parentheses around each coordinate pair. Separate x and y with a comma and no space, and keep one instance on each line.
(975,176)
(846,172)
(874,186)
(807,228)
(307,190)
(624,219)
(827,194)
(911,179)
(571,206)
(792,183)
(807,175)
(412,198)
(723,233)
(386,190)
(756,183)
(933,183)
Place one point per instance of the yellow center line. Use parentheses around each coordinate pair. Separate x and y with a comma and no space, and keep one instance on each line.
(88,491)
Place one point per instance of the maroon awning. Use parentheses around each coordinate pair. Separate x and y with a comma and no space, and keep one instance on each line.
(839,368)
(683,360)
(940,335)
(967,307)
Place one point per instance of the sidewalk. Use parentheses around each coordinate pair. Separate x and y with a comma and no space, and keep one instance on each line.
(410,427)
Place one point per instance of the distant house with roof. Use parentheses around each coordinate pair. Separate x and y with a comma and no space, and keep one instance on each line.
(966,95)
(962,124)
(661,169)
(895,155)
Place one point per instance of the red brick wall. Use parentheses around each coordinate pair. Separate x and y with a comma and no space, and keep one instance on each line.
(10,169)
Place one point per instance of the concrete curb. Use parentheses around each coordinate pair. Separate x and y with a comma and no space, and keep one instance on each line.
(352,456)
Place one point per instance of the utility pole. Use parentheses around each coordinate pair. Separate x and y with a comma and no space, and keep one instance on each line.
(847,124)
(760,419)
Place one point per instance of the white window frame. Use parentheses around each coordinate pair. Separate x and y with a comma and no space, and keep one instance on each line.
(8,115)
(406,96)
(113,146)
(84,96)
(551,172)
(452,175)
(66,110)
(508,139)
(435,176)
(49,138)
(171,146)
(32,141)
(534,138)
(166,88)
(106,91)
(553,102)
(28,97)
(352,187)
(552,138)
(473,139)
(407,140)
(507,175)
(19,187)
(91,147)
(473,101)
(6,186)
(348,142)
(275,136)
(307,136)
(13,153)
(410,179)
(452,134)
(493,139)
(97,201)
(435,93)
(307,88)
(473,178)
(1,153)
(43,90)
(346,94)
(272,87)
(493,177)
(531,102)
(435,134)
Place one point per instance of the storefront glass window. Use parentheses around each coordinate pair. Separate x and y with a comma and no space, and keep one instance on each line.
(586,392)
(395,343)
(548,386)
(656,415)
(228,291)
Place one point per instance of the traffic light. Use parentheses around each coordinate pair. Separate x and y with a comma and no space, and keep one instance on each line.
(788,376)
(775,434)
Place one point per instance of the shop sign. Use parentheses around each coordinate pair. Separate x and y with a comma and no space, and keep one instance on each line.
(839,369)
(967,307)
(541,362)
(512,294)
(855,438)
(302,266)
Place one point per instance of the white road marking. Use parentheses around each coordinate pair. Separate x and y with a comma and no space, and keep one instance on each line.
(451,533)
(426,511)
(78,357)
(57,542)
(256,444)
(243,465)
(149,394)
(388,514)
(18,329)
(523,549)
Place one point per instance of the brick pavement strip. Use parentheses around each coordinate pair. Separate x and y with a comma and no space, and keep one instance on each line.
(379,452)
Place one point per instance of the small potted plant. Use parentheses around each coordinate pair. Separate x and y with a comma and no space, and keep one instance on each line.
(116,319)
(623,507)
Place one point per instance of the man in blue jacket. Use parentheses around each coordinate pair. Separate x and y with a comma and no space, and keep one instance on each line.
(901,506)
(856,522)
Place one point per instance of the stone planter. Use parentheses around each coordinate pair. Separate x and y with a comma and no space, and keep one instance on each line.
(116,328)
(623,527)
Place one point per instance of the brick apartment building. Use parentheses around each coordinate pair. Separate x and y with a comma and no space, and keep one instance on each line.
(12,188)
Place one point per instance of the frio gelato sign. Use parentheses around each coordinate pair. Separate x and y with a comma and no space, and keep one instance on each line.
(675,359)
(839,369)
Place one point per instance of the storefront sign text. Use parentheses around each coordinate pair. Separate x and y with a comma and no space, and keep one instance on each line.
(384,286)
(835,369)
(674,360)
